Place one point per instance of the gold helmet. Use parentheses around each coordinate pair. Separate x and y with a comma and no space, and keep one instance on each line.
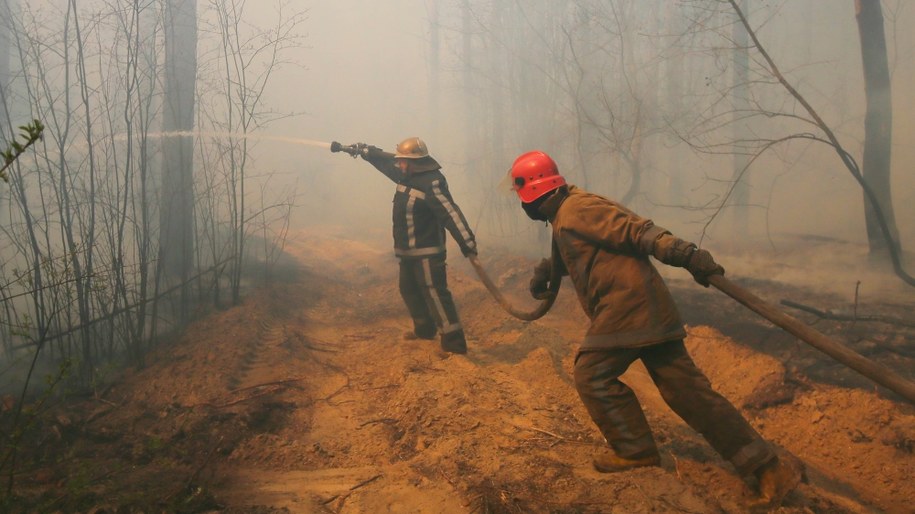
(411,148)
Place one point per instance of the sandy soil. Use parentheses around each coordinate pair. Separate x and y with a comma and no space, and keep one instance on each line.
(305,398)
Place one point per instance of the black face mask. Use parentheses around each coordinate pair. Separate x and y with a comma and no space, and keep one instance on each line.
(532,209)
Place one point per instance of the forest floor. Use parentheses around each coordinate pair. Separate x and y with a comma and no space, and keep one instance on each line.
(306,398)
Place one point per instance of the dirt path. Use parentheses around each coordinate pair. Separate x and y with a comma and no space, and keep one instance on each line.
(391,426)
(306,399)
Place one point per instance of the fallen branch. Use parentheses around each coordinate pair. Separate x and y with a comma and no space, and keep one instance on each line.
(838,316)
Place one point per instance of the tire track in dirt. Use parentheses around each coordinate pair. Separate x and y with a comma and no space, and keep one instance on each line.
(254,367)
(311,465)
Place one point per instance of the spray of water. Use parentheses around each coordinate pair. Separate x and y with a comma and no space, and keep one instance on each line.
(233,135)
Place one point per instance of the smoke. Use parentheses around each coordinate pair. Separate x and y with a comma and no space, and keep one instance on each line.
(232,135)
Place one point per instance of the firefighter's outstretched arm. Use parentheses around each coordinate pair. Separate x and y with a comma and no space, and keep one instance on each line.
(381,160)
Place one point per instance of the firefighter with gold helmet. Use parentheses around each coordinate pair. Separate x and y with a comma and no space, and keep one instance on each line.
(423,211)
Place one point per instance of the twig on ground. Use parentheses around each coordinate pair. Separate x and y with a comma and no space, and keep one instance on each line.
(277,382)
(535,429)
(342,497)
(196,474)
(236,402)
(380,420)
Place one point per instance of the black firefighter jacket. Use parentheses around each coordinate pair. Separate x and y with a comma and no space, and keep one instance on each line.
(423,209)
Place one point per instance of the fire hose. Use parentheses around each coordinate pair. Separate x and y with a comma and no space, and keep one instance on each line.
(844,355)
(555,274)
(540,310)
(870,369)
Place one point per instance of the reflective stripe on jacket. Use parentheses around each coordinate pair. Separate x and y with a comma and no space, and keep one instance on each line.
(423,209)
(605,248)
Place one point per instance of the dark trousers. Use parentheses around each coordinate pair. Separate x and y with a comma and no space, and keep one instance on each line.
(424,288)
(617,412)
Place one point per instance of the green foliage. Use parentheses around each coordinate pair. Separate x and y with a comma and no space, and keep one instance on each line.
(28,135)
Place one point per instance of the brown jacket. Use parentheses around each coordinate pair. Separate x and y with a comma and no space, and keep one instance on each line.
(605,249)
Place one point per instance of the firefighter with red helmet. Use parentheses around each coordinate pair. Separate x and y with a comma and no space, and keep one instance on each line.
(605,250)
(423,211)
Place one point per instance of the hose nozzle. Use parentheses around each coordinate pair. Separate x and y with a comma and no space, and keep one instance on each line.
(353,149)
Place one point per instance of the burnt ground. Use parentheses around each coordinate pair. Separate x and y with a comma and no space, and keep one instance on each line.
(305,398)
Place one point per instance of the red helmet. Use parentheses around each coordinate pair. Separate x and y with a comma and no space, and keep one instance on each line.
(535,174)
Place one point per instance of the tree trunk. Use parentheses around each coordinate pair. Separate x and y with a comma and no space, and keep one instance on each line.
(5,29)
(675,85)
(470,138)
(740,195)
(176,245)
(5,125)
(878,125)
(435,66)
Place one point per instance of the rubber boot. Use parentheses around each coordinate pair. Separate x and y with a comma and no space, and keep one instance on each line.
(412,336)
(454,342)
(777,478)
(612,463)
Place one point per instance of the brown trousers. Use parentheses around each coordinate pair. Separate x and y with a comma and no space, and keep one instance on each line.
(619,416)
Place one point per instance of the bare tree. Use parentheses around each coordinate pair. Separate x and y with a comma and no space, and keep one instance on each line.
(79,225)
(878,126)
(246,63)
(79,278)
(507,71)
(435,64)
(176,245)
(826,135)
(5,15)
(741,102)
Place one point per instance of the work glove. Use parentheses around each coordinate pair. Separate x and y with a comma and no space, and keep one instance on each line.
(701,265)
(469,252)
(367,150)
(540,282)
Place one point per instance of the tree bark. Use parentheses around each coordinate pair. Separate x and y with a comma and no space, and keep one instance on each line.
(740,196)
(5,29)
(176,245)
(878,124)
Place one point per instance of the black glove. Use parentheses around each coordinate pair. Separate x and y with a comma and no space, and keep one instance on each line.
(540,282)
(367,150)
(702,265)
(469,252)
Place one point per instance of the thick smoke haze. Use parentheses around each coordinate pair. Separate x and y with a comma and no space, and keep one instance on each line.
(665,106)
(367,69)
(617,92)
